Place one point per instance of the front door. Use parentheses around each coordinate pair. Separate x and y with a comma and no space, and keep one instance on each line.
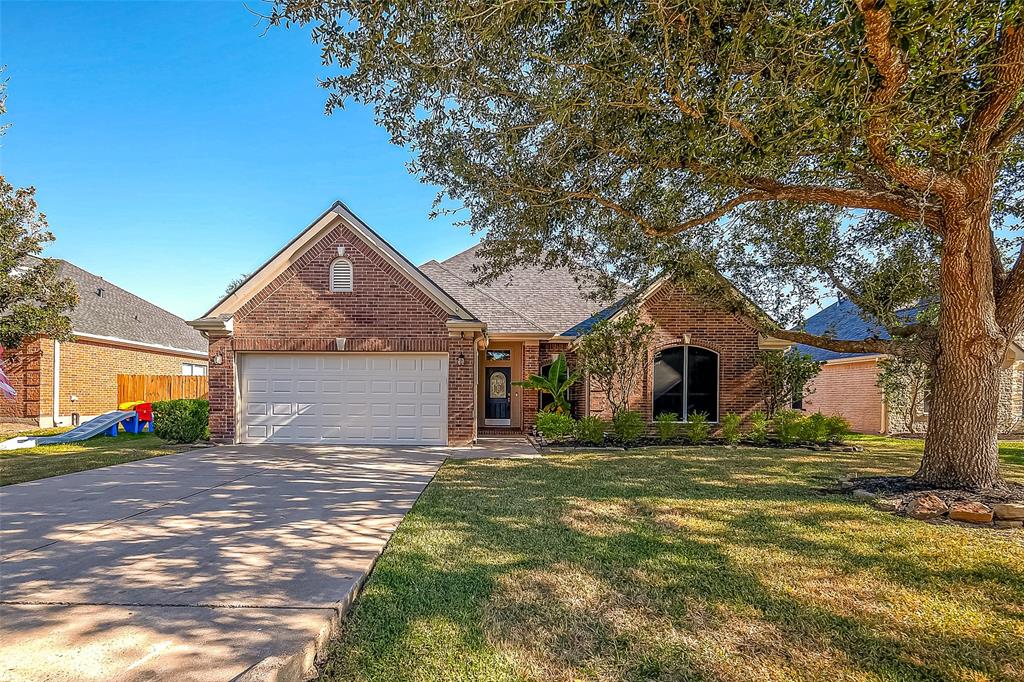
(498,396)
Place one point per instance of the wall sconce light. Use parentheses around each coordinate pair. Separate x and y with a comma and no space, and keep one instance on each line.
(461,360)
(217,359)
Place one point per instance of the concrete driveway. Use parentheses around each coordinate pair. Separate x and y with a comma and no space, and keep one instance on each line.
(218,564)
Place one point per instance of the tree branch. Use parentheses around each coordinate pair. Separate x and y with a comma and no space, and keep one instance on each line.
(872,345)
(892,66)
(1011,128)
(1006,85)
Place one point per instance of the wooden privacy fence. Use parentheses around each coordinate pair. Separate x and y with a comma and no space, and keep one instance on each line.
(153,387)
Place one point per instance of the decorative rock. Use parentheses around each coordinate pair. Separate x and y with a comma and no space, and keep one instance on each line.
(886,505)
(1012,511)
(862,494)
(970,512)
(1007,525)
(926,506)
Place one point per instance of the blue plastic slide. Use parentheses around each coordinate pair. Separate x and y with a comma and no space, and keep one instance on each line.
(93,427)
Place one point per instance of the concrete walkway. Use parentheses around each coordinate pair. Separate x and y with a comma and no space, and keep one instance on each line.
(219,564)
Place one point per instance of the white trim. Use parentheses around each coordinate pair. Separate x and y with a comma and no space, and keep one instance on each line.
(497,422)
(140,344)
(853,361)
(337,214)
(56,381)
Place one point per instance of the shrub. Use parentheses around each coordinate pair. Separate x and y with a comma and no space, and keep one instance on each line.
(698,429)
(814,429)
(181,421)
(837,428)
(758,427)
(788,426)
(731,428)
(628,426)
(590,430)
(668,426)
(555,425)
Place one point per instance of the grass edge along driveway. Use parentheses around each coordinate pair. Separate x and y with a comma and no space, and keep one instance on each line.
(684,564)
(30,464)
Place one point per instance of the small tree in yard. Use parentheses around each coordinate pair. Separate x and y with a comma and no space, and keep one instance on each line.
(874,148)
(34,300)
(904,383)
(784,377)
(614,355)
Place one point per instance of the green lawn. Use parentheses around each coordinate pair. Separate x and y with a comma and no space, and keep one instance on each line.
(18,466)
(684,564)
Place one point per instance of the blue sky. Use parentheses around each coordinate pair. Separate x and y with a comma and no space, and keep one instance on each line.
(175,145)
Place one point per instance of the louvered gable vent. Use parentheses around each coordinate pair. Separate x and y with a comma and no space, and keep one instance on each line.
(341,275)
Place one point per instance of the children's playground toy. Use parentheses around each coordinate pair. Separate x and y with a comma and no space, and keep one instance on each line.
(136,419)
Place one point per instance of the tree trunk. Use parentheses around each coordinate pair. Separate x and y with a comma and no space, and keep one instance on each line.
(961,449)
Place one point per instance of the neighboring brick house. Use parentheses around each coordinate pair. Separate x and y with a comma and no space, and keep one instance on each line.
(847,384)
(339,338)
(115,332)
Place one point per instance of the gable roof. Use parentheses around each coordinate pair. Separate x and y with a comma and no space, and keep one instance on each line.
(110,313)
(337,214)
(527,300)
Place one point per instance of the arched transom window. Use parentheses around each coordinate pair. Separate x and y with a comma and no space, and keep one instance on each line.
(341,275)
(686,381)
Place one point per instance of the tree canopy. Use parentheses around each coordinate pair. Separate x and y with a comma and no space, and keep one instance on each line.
(794,146)
(34,300)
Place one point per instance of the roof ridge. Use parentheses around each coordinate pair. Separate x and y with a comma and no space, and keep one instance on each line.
(493,298)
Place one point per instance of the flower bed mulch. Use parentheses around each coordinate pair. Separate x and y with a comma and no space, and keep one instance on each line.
(905,488)
(652,441)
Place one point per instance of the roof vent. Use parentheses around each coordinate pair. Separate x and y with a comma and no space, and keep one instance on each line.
(99,291)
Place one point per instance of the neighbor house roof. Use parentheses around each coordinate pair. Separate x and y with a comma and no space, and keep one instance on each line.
(845,321)
(110,313)
(527,300)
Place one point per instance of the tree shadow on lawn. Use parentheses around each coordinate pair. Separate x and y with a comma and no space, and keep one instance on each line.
(719,567)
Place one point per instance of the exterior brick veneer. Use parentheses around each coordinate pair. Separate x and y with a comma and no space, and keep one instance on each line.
(88,370)
(384,312)
(676,315)
(849,389)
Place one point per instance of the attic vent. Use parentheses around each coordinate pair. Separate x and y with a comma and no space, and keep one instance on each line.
(341,275)
(99,291)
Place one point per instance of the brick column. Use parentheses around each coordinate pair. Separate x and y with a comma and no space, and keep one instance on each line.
(222,391)
(531,399)
(461,389)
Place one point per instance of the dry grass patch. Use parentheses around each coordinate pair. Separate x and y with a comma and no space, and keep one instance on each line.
(683,564)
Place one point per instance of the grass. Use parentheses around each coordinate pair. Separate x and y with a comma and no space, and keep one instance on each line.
(684,564)
(19,466)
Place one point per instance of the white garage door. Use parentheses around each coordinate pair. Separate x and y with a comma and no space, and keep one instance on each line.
(341,398)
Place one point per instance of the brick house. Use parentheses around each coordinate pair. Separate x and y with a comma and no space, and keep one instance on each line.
(115,332)
(339,338)
(847,384)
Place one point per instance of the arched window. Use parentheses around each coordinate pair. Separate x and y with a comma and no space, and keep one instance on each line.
(686,381)
(341,275)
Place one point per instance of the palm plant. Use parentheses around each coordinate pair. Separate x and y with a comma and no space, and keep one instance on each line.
(556,384)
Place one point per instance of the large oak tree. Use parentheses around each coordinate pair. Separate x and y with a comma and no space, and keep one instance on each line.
(867,147)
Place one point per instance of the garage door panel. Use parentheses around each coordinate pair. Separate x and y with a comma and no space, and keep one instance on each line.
(309,398)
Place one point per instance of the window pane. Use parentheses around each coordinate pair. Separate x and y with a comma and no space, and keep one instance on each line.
(186,369)
(702,383)
(668,381)
(199,370)
(499,355)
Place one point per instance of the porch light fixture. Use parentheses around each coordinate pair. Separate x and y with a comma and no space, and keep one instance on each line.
(217,359)
(461,360)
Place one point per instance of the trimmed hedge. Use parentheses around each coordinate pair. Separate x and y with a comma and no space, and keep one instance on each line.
(182,421)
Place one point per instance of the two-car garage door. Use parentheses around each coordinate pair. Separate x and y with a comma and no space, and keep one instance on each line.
(342,398)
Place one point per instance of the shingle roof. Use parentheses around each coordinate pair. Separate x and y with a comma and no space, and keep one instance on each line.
(526,300)
(107,310)
(844,320)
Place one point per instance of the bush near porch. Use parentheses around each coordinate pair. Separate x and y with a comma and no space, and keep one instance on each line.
(685,564)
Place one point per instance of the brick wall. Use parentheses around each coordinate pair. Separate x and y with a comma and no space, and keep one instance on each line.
(385,312)
(88,371)
(677,314)
(22,368)
(849,389)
